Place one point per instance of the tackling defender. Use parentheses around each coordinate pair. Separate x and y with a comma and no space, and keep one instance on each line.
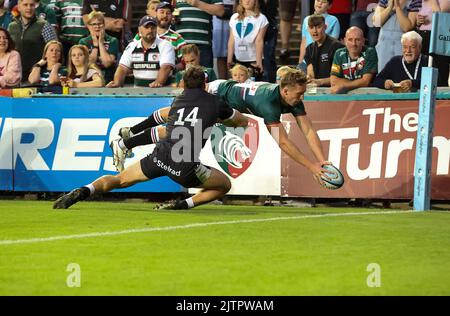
(262,99)
(194,109)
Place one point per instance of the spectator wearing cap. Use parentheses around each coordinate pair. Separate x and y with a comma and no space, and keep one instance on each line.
(319,54)
(195,25)
(30,35)
(164,12)
(150,58)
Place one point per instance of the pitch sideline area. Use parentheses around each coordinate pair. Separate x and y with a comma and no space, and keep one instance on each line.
(128,249)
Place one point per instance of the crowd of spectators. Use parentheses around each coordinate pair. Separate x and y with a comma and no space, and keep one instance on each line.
(90,43)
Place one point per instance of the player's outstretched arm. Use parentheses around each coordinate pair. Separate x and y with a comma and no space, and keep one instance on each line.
(279,134)
(305,124)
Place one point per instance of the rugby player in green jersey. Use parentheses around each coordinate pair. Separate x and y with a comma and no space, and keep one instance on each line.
(262,99)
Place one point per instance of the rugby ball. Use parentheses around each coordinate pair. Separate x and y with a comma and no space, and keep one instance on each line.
(335,178)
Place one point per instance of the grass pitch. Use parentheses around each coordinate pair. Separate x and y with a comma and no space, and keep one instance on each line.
(220,250)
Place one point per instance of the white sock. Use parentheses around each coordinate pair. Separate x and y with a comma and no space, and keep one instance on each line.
(122,145)
(190,203)
(91,188)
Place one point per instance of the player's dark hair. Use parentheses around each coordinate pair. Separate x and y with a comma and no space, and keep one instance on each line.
(194,77)
(292,78)
(316,20)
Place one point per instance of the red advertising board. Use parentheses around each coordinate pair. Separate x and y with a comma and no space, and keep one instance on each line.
(373,144)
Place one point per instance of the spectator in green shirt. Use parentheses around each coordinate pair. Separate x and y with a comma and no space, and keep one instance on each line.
(354,66)
(103,48)
(191,57)
(46,13)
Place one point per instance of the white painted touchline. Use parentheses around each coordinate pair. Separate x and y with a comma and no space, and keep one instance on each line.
(194,225)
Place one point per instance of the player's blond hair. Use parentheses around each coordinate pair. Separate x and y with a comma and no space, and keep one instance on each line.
(292,78)
(283,70)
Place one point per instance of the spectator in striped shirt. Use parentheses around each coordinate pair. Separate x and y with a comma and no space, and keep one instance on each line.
(151,59)
(195,25)
(164,12)
(46,13)
(70,20)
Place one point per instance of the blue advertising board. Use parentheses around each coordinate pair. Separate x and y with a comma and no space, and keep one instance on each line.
(6,172)
(62,143)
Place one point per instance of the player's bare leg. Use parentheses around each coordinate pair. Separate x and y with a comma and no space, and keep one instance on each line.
(215,187)
(130,176)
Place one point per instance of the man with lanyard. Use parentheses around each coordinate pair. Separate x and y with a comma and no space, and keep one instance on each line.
(261,99)
(404,71)
(354,66)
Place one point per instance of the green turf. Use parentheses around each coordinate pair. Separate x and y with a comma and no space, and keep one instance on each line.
(309,256)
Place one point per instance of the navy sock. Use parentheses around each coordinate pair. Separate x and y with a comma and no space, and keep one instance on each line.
(85,193)
(181,205)
(153,120)
(149,136)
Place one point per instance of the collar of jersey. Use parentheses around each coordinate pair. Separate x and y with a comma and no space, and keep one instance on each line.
(155,43)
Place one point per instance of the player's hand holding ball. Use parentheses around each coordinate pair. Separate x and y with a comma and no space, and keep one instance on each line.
(332,178)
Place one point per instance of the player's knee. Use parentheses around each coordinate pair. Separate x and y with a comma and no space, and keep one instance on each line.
(226,186)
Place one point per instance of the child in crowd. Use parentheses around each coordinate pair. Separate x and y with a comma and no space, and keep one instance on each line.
(283,70)
(151,7)
(82,73)
(240,73)
(246,43)
(332,27)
